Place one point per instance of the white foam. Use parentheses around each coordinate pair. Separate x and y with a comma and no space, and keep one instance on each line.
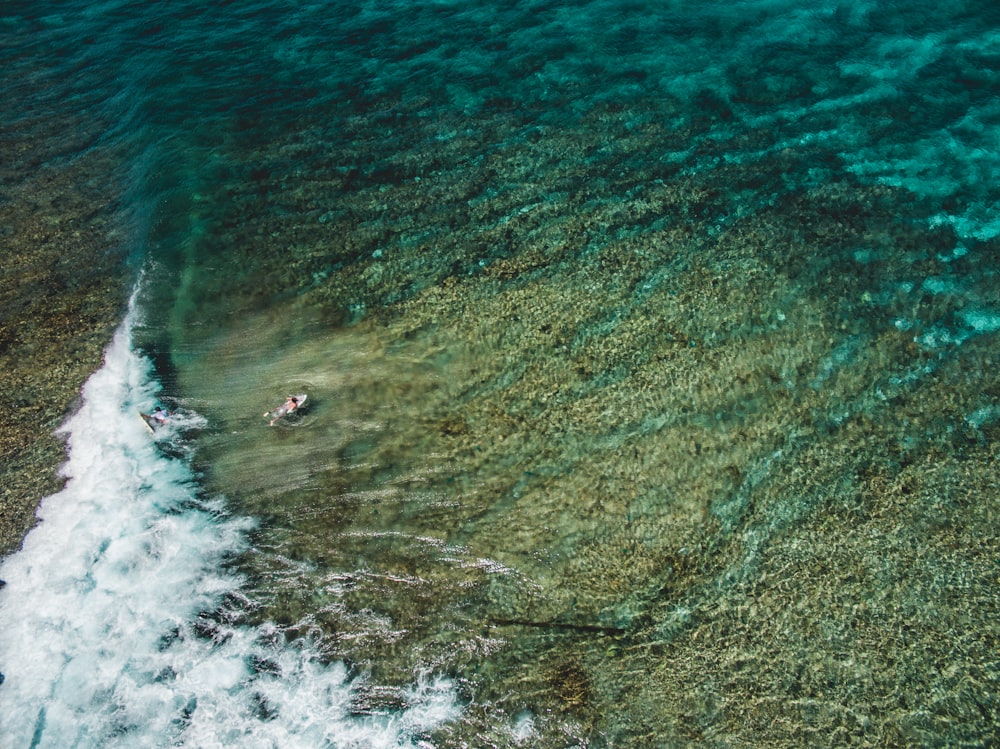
(99,640)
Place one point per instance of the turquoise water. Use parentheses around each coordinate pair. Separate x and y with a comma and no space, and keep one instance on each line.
(650,352)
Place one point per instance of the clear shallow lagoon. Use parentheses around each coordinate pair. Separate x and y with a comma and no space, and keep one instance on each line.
(651,355)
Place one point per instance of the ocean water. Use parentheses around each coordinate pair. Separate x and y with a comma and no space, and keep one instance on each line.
(651,360)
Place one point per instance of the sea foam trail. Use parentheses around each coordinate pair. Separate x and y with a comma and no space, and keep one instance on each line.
(104,640)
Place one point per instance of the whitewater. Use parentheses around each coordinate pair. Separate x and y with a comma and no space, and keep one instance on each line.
(121,621)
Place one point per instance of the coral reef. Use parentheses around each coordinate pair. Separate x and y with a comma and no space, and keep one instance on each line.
(654,455)
(63,286)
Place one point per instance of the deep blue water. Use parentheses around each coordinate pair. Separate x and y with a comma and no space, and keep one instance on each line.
(221,123)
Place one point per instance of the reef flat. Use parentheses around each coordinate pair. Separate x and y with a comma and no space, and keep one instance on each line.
(633,450)
(63,288)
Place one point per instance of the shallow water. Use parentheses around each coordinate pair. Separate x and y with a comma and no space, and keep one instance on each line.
(650,355)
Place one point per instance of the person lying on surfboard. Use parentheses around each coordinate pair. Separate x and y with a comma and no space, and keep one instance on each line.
(290,404)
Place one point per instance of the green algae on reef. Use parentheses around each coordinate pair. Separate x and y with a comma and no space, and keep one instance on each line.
(647,456)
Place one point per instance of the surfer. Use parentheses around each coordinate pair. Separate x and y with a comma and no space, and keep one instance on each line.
(158,417)
(290,404)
